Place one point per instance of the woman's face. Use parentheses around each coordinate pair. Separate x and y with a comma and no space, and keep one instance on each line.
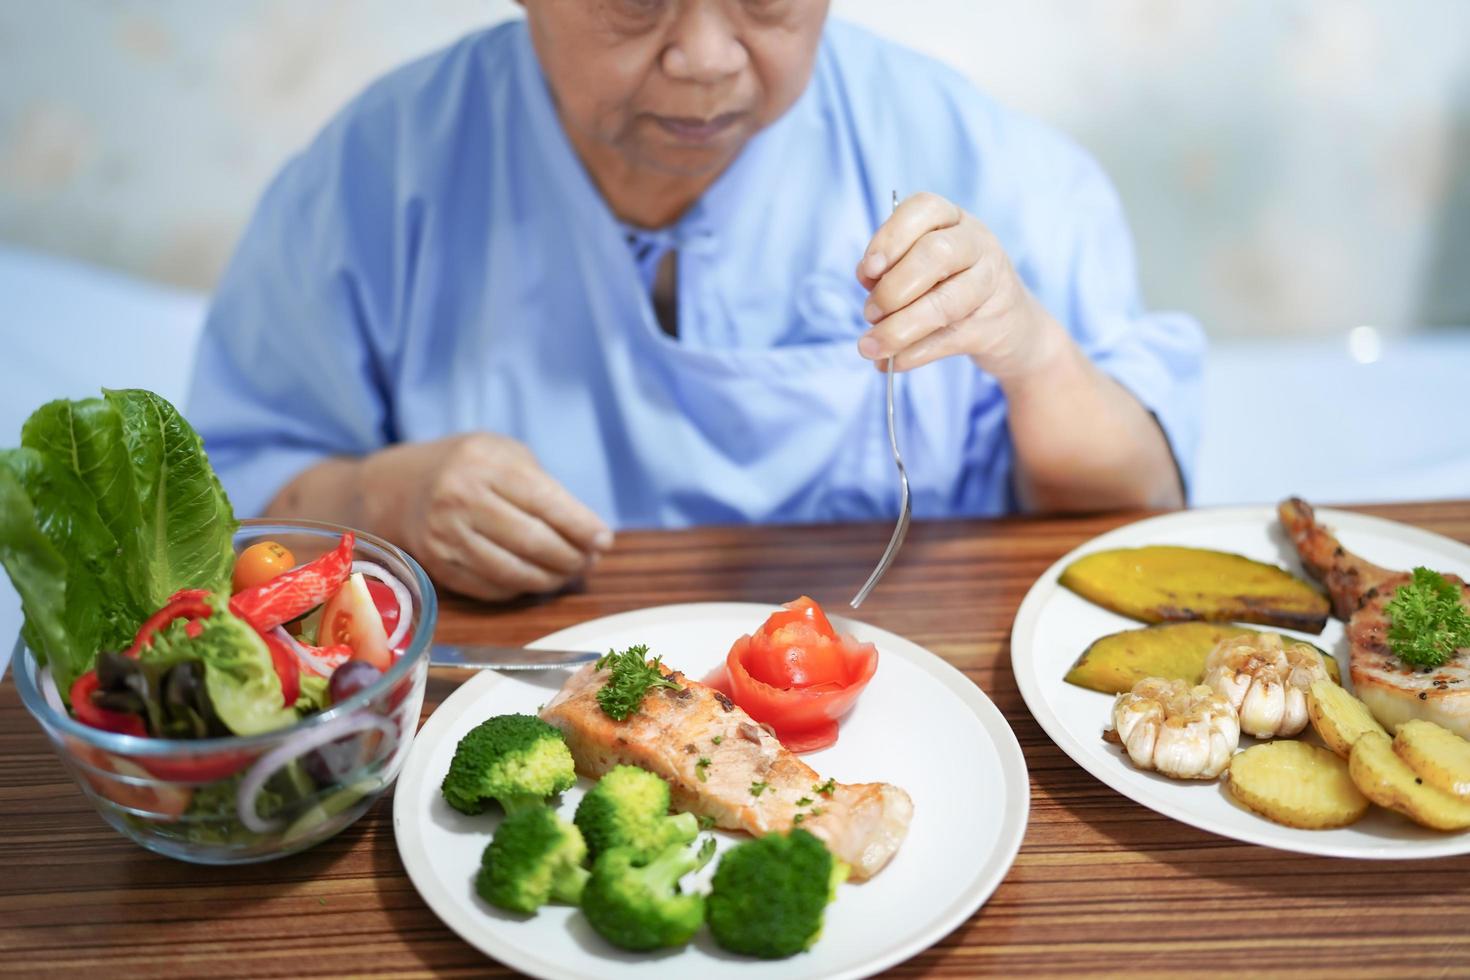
(673,86)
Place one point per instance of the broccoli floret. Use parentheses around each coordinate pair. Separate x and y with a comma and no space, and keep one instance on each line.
(636,904)
(629,807)
(517,760)
(535,858)
(769,895)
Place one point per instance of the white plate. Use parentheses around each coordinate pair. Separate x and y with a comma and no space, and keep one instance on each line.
(920,724)
(1055,625)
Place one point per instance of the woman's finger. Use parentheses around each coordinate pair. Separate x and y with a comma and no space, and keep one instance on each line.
(948,302)
(914,218)
(492,567)
(525,535)
(934,258)
(529,487)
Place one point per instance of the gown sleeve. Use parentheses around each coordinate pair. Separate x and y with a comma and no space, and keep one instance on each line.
(1084,272)
(292,366)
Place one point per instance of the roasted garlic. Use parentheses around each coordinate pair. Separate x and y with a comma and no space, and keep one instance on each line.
(1265,680)
(1181,731)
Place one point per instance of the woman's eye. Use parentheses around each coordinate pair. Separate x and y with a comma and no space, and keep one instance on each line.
(630,13)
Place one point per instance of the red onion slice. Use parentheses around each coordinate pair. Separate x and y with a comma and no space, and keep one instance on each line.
(308,660)
(277,757)
(400,595)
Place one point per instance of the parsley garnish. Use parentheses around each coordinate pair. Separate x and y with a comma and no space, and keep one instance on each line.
(798,819)
(756,789)
(1427,619)
(827,788)
(632,675)
(718,739)
(701,769)
(804,801)
(817,811)
(706,822)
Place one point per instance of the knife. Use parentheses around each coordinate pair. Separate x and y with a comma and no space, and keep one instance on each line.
(480,657)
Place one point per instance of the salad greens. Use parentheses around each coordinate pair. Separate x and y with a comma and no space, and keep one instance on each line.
(108,507)
(242,683)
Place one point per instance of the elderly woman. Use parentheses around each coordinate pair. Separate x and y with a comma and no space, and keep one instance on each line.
(631,263)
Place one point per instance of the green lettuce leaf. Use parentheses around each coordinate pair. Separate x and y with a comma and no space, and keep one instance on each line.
(314,695)
(38,572)
(95,610)
(238,672)
(185,526)
(87,436)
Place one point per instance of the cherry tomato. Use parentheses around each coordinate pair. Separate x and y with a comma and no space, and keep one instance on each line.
(798,675)
(260,563)
(351,618)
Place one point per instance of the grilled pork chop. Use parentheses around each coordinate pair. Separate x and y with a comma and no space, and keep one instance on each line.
(863,823)
(1394,690)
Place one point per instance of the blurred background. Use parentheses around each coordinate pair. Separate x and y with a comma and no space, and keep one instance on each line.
(1290,167)
(1297,175)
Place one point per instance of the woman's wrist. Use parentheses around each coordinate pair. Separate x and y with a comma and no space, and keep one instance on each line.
(1044,355)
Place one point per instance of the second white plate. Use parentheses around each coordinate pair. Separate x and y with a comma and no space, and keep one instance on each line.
(920,724)
(1054,625)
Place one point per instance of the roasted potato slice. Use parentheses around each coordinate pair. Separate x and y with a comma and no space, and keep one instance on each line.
(1338,717)
(1388,781)
(1166,584)
(1177,651)
(1437,755)
(1296,784)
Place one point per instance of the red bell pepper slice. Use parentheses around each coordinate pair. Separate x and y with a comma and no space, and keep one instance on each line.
(93,716)
(189,604)
(294,593)
(287,669)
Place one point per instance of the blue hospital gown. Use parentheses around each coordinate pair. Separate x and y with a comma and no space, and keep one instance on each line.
(438,261)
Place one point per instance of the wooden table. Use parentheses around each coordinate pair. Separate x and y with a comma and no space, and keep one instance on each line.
(1101,884)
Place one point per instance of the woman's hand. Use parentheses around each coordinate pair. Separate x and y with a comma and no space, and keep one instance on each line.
(480,515)
(940,284)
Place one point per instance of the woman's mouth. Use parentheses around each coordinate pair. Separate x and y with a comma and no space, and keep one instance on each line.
(694,129)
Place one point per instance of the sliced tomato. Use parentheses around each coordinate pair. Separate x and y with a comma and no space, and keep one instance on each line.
(798,675)
(351,618)
(803,609)
(386,603)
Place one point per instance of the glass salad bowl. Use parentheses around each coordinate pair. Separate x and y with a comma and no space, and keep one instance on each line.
(238,800)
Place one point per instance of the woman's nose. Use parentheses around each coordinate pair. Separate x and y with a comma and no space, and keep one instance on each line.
(704,44)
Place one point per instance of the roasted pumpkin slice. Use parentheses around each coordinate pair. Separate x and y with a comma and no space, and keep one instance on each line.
(1114,663)
(1170,584)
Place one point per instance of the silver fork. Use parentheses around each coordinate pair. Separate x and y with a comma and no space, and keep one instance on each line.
(902,528)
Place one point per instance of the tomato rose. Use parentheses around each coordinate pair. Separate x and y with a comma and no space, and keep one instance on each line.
(798,675)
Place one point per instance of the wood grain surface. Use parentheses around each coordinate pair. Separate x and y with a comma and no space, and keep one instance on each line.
(1101,885)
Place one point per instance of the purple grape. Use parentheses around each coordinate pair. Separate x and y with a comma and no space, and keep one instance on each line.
(351,677)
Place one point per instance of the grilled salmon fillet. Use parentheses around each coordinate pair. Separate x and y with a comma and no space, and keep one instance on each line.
(1394,690)
(862,823)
